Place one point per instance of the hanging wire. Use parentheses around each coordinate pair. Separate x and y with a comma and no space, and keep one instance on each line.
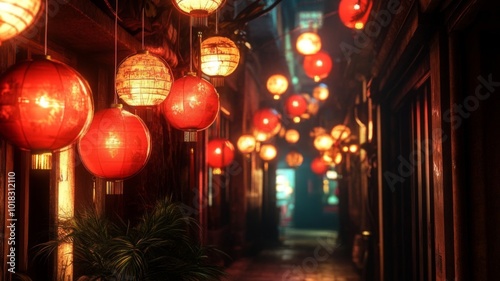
(190,43)
(46,25)
(115,98)
(143,28)
(217,21)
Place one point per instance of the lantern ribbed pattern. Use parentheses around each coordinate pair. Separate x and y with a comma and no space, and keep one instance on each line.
(294,159)
(220,152)
(354,13)
(246,143)
(143,79)
(45,105)
(192,105)
(116,146)
(317,66)
(219,56)
(267,120)
(198,8)
(308,43)
(319,166)
(277,85)
(296,105)
(16,16)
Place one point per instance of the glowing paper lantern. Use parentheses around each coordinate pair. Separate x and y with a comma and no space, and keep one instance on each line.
(323,142)
(294,159)
(198,9)
(340,133)
(268,152)
(267,120)
(16,16)
(45,105)
(219,58)
(192,105)
(321,92)
(117,144)
(292,136)
(296,105)
(319,166)
(317,66)
(246,143)
(277,85)
(308,43)
(220,152)
(354,13)
(143,79)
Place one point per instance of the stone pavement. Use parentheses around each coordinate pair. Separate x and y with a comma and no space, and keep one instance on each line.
(304,255)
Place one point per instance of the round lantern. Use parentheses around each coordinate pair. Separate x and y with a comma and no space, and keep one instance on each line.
(219,57)
(220,152)
(277,85)
(308,43)
(143,79)
(319,166)
(317,66)
(262,136)
(354,13)
(321,92)
(312,105)
(267,120)
(246,143)
(45,105)
(296,105)
(267,152)
(340,133)
(16,16)
(192,105)
(198,9)
(294,159)
(292,136)
(117,144)
(332,155)
(323,142)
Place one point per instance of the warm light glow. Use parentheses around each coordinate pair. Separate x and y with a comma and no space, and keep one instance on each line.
(277,85)
(308,43)
(353,148)
(319,166)
(340,133)
(296,105)
(332,174)
(220,153)
(359,25)
(267,120)
(323,142)
(198,8)
(246,143)
(143,79)
(16,16)
(355,13)
(42,161)
(261,136)
(219,56)
(318,65)
(294,159)
(296,119)
(268,152)
(292,136)
(356,6)
(321,92)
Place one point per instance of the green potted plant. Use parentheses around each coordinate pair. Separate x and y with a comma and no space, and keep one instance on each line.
(160,246)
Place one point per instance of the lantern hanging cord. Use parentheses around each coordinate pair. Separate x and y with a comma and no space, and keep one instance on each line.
(191,44)
(46,26)
(143,28)
(216,21)
(115,99)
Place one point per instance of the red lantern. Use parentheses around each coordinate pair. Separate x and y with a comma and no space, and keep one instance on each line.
(319,166)
(45,105)
(220,153)
(296,105)
(192,105)
(117,145)
(354,13)
(318,66)
(267,120)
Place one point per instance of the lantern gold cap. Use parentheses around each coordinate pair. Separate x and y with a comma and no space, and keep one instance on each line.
(117,105)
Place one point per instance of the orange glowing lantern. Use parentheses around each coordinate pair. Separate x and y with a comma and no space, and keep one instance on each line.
(321,92)
(308,43)
(296,105)
(143,79)
(317,66)
(45,105)
(292,136)
(340,133)
(323,142)
(319,166)
(117,144)
(219,58)
(198,9)
(268,152)
(267,120)
(277,85)
(192,105)
(246,144)
(16,16)
(220,152)
(354,13)
(294,159)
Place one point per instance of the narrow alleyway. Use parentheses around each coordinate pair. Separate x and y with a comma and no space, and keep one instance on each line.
(304,255)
